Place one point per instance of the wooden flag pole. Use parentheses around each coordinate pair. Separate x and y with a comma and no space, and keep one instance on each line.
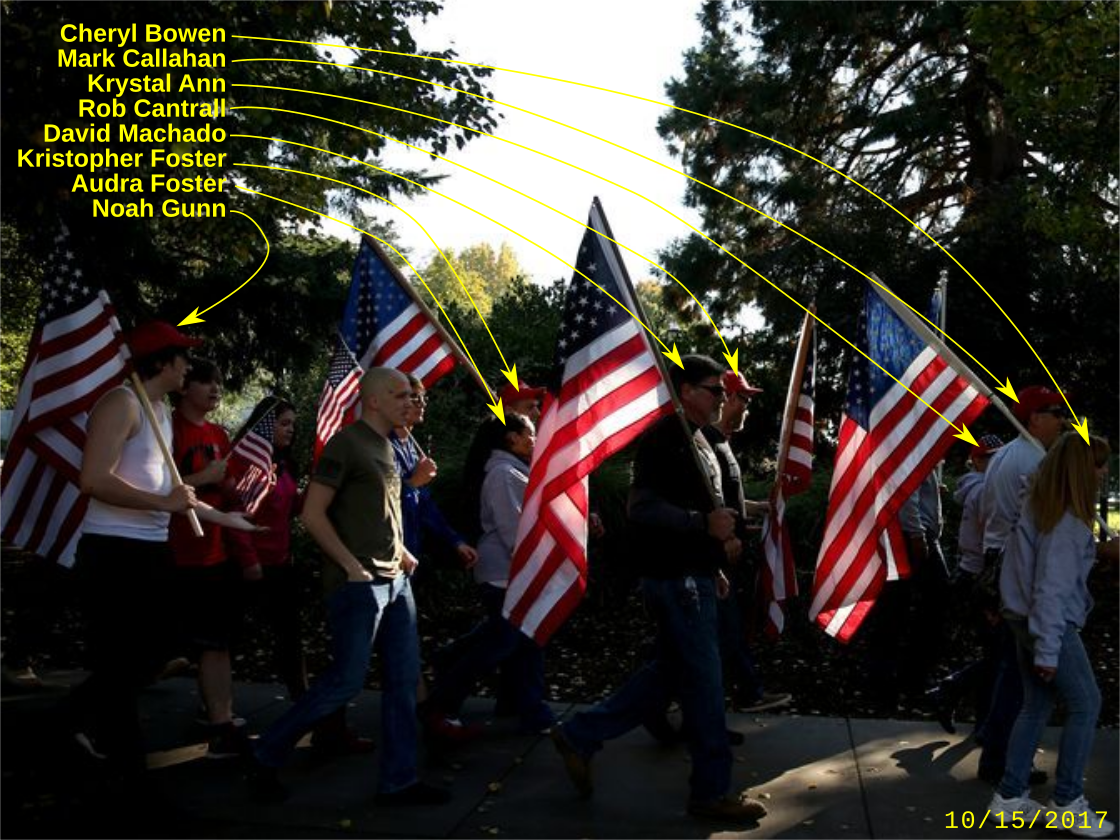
(415,297)
(661,366)
(176,479)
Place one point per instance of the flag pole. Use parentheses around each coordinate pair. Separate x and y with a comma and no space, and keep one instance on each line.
(793,395)
(660,359)
(415,297)
(176,479)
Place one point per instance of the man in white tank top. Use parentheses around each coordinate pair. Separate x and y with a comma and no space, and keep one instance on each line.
(123,558)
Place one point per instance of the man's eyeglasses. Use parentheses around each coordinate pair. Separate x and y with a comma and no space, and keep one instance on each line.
(717,391)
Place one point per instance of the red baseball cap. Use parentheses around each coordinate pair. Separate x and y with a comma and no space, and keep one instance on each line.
(523,391)
(153,336)
(1034,398)
(736,383)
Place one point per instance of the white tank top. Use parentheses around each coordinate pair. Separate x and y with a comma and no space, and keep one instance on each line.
(141,464)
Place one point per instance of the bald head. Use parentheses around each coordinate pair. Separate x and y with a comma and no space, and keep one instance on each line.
(386,398)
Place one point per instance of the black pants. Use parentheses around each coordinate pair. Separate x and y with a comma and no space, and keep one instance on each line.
(276,602)
(125,589)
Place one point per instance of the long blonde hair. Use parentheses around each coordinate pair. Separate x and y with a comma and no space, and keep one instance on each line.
(1067,481)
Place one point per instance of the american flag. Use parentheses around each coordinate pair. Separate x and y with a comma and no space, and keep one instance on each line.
(889,442)
(251,460)
(779,575)
(609,390)
(76,354)
(381,327)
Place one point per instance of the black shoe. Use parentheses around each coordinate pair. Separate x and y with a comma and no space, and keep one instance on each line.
(417,793)
(578,766)
(263,784)
(662,731)
(227,740)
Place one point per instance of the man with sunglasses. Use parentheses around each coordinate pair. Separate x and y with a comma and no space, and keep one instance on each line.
(679,532)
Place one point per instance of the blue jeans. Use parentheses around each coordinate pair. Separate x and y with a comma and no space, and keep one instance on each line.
(495,643)
(1006,702)
(363,616)
(1075,683)
(686,666)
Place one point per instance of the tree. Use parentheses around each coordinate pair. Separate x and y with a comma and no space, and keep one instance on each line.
(486,274)
(167,266)
(993,126)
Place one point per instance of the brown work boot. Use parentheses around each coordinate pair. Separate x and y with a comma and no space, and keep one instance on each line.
(578,767)
(728,808)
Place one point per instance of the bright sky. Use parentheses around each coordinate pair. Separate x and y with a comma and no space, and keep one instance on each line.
(624,45)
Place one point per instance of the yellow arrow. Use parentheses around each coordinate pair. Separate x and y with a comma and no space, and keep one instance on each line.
(1006,389)
(193,317)
(462,344)
(962,432)
(499,412)
(510,373)
(672,354)
(733,359)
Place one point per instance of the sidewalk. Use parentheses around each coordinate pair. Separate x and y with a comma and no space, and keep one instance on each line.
(820,777)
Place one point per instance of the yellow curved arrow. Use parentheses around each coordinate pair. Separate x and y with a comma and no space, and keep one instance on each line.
(673,354)
(1005,388)
(497,407)
(962,431)
(193,317)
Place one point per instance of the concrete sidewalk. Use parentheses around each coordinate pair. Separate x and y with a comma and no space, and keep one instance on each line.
(820,777)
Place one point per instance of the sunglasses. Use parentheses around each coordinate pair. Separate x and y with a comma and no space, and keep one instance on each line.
(1053,411)
(717,391)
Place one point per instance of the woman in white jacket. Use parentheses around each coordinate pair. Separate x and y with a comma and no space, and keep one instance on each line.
(1045,595)
(497,475)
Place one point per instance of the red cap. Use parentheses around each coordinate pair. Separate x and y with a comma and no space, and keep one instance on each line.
(1034,398)
(736,383)
(153,336)
(510,394)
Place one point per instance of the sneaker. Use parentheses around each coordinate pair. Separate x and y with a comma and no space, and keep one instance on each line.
(1008,809)
(263,783)
(578,767)
(417,793)
(767,700)
(1085,821)
(227,741)
(728,808)
(87,745)
(450,730)
(202,718)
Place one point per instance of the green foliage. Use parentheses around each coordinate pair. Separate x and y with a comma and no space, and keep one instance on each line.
(165,267)
(484,273)
(19,300)
(992,125)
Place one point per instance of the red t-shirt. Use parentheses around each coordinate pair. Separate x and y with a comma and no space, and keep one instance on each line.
(194,447)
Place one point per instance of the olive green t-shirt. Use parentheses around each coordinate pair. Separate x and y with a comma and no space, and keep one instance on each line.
(366,509)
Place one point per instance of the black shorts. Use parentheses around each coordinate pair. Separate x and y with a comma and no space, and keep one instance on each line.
(211,605)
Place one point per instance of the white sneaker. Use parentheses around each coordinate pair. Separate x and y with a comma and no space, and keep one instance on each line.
(1082,821)
(1007,810)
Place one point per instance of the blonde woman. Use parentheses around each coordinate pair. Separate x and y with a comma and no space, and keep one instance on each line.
(1045,596)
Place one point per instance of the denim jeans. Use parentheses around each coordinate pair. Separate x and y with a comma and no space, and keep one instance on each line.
(686,666)
(1006,702)
(495,643)
(1075,683)
(738,664)
(363,616)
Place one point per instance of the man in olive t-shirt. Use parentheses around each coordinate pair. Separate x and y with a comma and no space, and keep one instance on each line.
(353,511)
